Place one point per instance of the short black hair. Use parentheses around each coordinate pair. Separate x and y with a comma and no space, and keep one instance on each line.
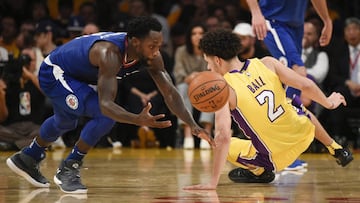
(140,27)
(222,43)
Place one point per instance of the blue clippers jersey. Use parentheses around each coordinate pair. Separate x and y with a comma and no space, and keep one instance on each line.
(291,12)
(73,57)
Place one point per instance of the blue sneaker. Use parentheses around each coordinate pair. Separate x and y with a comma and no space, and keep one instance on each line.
(303,163)
(296,165)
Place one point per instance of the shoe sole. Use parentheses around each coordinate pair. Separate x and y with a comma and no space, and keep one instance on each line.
(236,179)
(343,164)
(240,180)
(23,174)
(294,168)
(59,183)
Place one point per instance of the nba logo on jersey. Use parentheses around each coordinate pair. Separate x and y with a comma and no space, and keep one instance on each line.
(25,103)
(72,101)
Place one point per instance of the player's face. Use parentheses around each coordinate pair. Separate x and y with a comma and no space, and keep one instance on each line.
(212,65)
(150,46)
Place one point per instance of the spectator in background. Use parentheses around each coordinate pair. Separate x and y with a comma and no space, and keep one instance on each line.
(39,11)
(344,77)
(189,62)
(75,27)
(88,12)
(45,36)
(90,28)
(21,102)
(315,60)
(69,25)
(178,35)
(27,28)
(29,46)
(18,9)
(66,12)
(249,46)
(212,23)
(226,24)
(8,36)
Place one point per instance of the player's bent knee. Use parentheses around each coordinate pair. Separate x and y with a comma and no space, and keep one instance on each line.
(50,130)
(95,129)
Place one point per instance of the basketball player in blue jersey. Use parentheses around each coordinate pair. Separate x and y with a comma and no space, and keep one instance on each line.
(280,23)
(66,76)
(279,130)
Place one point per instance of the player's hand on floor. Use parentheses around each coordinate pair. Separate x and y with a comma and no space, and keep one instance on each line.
(203,134)
(146,119)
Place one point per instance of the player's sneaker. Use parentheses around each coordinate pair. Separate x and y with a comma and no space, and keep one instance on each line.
(240,175)
(296,165)
(68,177)
(25,166)
(303,163)
(343,156)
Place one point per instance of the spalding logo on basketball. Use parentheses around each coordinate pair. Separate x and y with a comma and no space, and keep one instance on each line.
(208,91)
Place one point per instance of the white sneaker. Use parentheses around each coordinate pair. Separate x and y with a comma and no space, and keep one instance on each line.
(204,144)
(188,143)
(117,144)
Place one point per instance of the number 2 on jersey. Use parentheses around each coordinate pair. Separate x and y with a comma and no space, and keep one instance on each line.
(268,97)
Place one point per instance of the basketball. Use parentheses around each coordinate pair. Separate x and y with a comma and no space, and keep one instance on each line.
(208,91)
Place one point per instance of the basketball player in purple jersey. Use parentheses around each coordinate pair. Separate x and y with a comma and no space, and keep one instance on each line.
(66,76)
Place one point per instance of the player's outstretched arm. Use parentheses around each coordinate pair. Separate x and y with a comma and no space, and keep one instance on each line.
(107,57)
(308,88)
(172,97)
(222,141)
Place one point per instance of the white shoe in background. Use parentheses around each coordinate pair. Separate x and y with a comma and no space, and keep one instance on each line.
(204,144)
(58,144)
(188,143)
(117,144)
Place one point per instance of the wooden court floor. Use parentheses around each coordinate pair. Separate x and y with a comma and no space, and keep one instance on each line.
(158,175)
